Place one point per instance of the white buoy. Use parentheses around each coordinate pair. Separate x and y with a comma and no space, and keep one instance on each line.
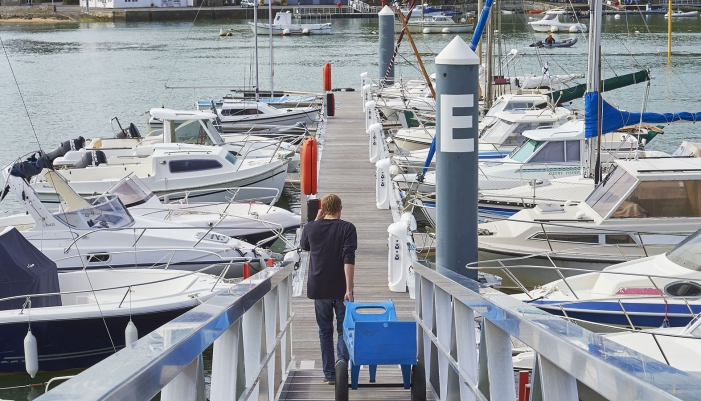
(636,32)
(31,356)
(554,28)
(305,31)
(617,16)
(446,30)
(463,20)
(130,333)
(427,30)
(285,32)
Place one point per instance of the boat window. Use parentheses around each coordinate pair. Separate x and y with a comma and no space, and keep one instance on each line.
(213,132)
(694,326)
(662,199)
(519,105)
(105,211)
(190,131)
(523,152)
(687,253)
(610,192)
(617,239)
(572,149)
(683,289)
(496,132)
(552,152)
(239,112)
(184,166)
(231,158)
(549,17)
(578,238)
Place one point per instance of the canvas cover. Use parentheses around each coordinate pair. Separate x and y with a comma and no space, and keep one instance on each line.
(25,270)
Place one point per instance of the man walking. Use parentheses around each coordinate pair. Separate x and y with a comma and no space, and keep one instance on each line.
(332,243)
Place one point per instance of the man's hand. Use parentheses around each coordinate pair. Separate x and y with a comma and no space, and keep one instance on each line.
(348,296)
(320,214)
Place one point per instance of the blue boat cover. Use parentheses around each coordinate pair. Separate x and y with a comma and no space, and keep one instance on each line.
(613,119)
(24,270)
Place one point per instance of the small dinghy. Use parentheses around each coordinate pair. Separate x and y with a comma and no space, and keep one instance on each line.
(678,13)
(569,42)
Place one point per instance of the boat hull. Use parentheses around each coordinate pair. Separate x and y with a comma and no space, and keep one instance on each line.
(74,343)
(294,29)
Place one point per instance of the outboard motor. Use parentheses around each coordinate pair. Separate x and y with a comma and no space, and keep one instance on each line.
(65,147)
(92,158)
(130,132)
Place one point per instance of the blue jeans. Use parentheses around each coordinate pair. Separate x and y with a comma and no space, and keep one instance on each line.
(325,309)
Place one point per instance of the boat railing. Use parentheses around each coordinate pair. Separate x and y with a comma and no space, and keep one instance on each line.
(363,7)
(182,197)
(249,327)
(567,359)
(127,287)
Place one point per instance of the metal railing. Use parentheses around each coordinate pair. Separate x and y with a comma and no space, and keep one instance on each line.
(363,7)
(446,307)
(249,325)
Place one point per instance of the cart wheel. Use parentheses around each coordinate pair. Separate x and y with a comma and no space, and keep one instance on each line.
(341,380)
(418,383)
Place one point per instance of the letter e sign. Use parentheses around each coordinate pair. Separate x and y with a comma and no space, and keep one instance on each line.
(454,117)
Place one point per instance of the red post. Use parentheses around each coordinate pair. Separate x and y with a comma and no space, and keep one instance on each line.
(383,3)
(523,390)
(246,271)
(270,262)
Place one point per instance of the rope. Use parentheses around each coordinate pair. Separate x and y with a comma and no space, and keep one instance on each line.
(23,386)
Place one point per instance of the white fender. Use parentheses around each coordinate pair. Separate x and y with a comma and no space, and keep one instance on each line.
(369,114)
(376,139)
(131,335)
(363,80)
(399,257)
(383,184)
(367,95)
(31,355)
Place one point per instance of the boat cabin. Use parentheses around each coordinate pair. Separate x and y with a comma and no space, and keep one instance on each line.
(653,188)
(559,145)
(192,127)
(508,126)
(511,102)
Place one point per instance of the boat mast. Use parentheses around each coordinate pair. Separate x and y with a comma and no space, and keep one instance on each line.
(255,41)
(489,64)
(270,31)
(669,32)
(593,91)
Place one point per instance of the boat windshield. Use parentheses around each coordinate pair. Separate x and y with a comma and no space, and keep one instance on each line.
(611,191)
(694,327)
(200,132)
(688,252)
(549,17)
(105,211)
(497,131)
(132,191)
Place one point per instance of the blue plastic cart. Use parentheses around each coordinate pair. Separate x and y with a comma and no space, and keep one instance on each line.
(374,337)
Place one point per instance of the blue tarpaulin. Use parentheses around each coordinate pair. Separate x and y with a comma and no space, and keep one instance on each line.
(613,119)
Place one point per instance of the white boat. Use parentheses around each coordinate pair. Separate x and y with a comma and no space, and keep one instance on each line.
(167,163)
(99,232)
(253,222)
(84,321)
(642,208)
(678,347)
(282,25)
(437,24)
(551,23)
(679,13)
(644,293)
(237,116)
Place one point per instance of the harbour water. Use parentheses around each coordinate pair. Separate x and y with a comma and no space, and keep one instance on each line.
(75,77)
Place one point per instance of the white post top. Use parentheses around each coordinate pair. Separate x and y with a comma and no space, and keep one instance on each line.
(457,53)
(386,11)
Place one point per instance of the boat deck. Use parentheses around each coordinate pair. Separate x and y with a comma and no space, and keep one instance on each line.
(346,171)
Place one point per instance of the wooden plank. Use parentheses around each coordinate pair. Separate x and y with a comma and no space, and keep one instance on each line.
(347,172)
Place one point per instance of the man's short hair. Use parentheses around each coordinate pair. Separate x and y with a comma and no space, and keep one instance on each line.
(331,204)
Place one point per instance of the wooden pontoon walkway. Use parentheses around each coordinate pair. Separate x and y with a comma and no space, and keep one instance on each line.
(347,172)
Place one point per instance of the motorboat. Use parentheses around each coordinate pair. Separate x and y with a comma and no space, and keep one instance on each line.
(99,232)
(551,23)
(237,116)
(537,83)
(253,222)
(80,317)
(679,13)
(282,25)
(646,293)
(168,161)
(546,153)
(437,24)
(642,208)
(677,347)
(569,42)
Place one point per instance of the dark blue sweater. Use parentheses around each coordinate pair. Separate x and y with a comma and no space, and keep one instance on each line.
(331,244)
